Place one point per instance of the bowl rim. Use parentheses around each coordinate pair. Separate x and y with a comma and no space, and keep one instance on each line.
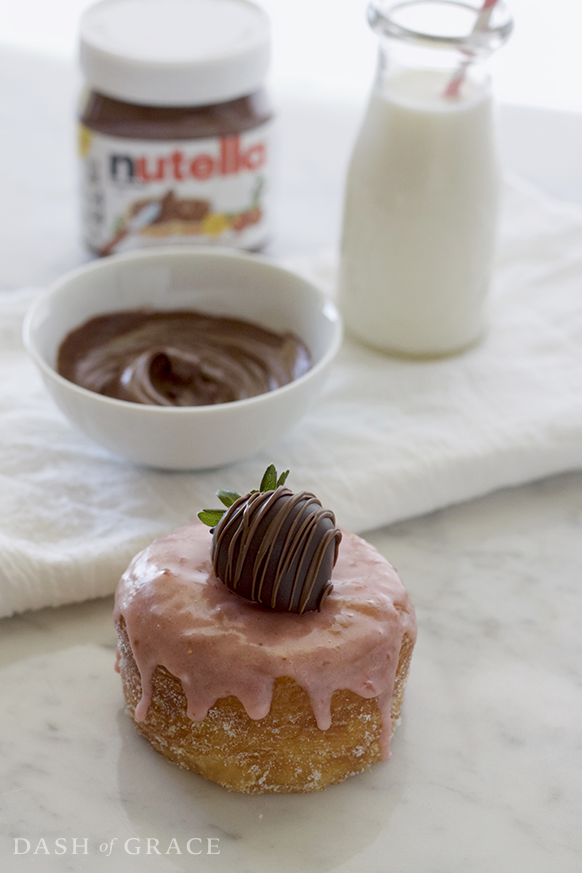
(153,409)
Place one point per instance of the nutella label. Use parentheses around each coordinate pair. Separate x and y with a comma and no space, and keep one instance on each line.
(142,193)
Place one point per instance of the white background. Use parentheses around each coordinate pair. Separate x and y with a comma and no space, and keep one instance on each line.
(326,46)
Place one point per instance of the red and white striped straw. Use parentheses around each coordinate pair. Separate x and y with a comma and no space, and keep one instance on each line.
(481,23)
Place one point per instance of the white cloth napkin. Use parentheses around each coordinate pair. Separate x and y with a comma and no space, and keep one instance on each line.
(388,440)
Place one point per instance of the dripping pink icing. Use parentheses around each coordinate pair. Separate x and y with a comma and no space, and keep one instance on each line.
(180,616)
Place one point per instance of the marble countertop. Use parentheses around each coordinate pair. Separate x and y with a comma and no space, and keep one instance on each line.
(486,764)
(486,771)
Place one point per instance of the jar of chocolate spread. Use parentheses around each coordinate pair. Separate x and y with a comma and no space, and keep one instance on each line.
(175,126)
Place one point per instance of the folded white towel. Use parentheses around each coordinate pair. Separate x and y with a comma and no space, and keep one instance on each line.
(389,438)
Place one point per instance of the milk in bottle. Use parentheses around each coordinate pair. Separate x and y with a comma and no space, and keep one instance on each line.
(421,203)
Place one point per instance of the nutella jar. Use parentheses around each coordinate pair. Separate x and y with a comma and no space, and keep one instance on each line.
(175,126)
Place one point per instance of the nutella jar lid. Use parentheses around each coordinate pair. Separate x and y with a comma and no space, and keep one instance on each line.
(174,52)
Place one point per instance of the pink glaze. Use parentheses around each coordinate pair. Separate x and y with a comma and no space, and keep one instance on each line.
(180,616)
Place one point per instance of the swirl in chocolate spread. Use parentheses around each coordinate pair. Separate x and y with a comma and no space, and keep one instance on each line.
(179,358)
(278,549)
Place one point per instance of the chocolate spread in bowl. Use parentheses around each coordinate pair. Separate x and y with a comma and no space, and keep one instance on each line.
(179,358)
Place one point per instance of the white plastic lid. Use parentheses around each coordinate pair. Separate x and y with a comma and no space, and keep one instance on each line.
(175,52)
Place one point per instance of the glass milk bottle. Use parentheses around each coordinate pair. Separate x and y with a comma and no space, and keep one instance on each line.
(422,189)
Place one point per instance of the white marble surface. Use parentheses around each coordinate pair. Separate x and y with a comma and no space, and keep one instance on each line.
(486,767)
(486,773)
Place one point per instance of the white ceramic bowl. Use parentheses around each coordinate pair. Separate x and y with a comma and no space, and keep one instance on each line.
(210,280)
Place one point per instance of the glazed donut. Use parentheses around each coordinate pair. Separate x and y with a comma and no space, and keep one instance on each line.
(256,700)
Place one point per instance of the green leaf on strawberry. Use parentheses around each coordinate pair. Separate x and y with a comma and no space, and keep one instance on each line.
(269,482)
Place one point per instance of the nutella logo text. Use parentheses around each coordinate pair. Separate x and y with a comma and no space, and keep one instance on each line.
(230,160)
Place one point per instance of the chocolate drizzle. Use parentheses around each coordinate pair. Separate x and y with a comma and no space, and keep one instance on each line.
(278,549)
